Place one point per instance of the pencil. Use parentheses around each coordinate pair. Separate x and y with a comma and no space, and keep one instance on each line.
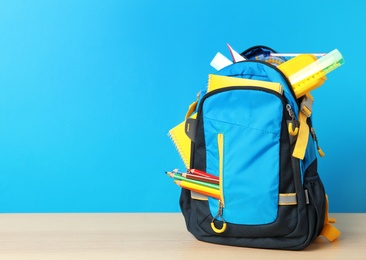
(201,173)
(205,193)
(200,178)
(178,176)
(199,188)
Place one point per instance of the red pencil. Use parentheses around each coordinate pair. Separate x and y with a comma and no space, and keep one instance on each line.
(201,173)
(200,178)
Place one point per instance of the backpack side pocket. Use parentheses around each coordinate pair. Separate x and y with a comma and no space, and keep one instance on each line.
(316,199)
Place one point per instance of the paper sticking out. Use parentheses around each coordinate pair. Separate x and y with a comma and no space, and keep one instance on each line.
(220,61)
(236,56)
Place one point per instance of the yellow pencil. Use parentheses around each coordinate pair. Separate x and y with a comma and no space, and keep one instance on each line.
(199,188)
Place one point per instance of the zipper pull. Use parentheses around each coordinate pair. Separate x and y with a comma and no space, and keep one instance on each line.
(320,151)
(219,215)
(293,126)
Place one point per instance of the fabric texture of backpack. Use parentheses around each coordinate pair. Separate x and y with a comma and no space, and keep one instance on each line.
(260,142)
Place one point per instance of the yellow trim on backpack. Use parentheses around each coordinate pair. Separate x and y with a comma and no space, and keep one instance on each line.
(287,199)
(302,138)
(292,131)
(329,232)
(218,82)
(220,147)
(303,134)
(191,109)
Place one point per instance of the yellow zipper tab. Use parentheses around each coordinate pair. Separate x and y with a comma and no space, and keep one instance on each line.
(220,146)
(218,215)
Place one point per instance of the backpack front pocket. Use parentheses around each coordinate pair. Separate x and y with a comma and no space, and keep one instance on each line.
(243,148)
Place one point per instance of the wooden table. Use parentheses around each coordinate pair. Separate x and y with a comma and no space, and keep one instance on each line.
(149,236)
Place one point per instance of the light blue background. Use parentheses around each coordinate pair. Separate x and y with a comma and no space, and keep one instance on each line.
(89,89)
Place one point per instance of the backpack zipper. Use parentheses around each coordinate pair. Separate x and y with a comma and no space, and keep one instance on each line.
(279,71)
(220,147)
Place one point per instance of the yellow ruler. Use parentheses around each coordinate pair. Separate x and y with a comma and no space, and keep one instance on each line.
(303,80)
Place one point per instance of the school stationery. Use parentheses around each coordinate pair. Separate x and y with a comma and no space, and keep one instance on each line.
(251,128)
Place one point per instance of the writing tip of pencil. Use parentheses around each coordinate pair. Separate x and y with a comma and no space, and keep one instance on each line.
(170,174)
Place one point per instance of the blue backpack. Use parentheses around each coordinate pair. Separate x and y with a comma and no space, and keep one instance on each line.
(257,138)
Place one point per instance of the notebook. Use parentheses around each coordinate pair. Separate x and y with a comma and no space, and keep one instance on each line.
(182,142)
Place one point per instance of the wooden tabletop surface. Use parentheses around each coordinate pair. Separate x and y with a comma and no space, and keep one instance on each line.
(150,236)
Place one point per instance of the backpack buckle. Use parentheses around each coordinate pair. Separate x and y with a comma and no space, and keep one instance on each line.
(306,104)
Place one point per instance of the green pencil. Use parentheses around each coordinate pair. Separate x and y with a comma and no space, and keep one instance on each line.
(178,176)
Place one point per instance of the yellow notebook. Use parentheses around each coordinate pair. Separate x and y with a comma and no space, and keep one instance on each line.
(182,142)
(217,82)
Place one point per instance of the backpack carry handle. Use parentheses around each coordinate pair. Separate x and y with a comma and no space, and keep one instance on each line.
(255,51)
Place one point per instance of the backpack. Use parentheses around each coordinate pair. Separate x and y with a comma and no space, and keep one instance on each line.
(251,131)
